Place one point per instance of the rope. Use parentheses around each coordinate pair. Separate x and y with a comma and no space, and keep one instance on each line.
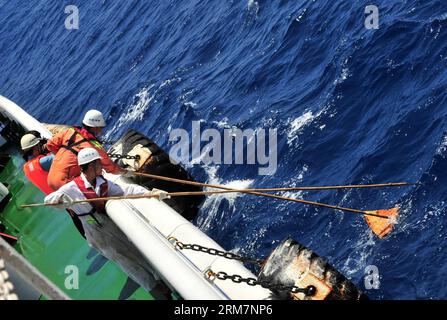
(354,186)
(372,213)
(200,193)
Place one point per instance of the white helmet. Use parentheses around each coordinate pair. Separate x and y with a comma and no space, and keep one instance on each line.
(88,155)
(28,141)
(94,119)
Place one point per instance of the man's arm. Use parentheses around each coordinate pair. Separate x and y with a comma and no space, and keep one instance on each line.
(57,195)
(54,144)
(46,162)
(126,190)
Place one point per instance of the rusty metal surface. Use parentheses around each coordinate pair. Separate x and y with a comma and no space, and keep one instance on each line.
(293,264)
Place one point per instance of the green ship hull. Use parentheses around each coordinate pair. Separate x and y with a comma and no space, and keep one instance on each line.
(49,240)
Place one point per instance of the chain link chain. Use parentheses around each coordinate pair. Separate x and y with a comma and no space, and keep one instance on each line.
(215,252)
(108,142)
(308,291)
(123,156)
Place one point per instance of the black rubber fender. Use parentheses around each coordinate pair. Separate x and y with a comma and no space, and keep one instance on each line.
(160,164)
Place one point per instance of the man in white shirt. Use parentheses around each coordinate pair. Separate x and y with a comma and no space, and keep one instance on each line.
(101,232)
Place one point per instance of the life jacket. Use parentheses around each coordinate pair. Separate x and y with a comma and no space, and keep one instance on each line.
(86,137)
(89,193)
(66,145)
(37,175)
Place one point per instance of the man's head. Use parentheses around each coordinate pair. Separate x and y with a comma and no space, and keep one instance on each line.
(90,162)
(94,122)
(32,144)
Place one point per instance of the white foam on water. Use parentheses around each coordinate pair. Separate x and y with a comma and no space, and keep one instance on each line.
(252,245)
(441,17)
(436,211)
(191,104)
(186,96)
(234,184)
(169,82)
(300,17)
(292,184)
(345,74)
(436,31)
(222,123)
(211,206)
(442,146)
(358,259)
(346,196)
(293,194)
(406,208)
(298,124)
(136,111)
(253,6)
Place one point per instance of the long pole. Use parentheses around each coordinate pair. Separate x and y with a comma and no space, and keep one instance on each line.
(182,194)
(353,186)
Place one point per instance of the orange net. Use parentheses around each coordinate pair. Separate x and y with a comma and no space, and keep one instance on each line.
(380,226)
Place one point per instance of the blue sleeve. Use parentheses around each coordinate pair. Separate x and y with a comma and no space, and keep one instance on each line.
(46,162)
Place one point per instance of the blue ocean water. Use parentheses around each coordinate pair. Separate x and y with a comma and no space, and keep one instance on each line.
(351,105)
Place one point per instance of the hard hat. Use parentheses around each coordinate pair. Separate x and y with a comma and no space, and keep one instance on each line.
(94,119)
(88,155)
(28,141)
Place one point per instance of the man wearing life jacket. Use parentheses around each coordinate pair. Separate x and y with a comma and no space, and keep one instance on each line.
(66,145)
(38,164)
(101,232)
(38,160)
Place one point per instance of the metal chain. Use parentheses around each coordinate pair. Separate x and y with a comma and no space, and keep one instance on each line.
(108,142)
(215,252)
(123,156)
(308,291)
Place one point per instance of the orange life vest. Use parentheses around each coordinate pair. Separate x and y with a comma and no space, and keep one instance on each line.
(65,145)
(37,175)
